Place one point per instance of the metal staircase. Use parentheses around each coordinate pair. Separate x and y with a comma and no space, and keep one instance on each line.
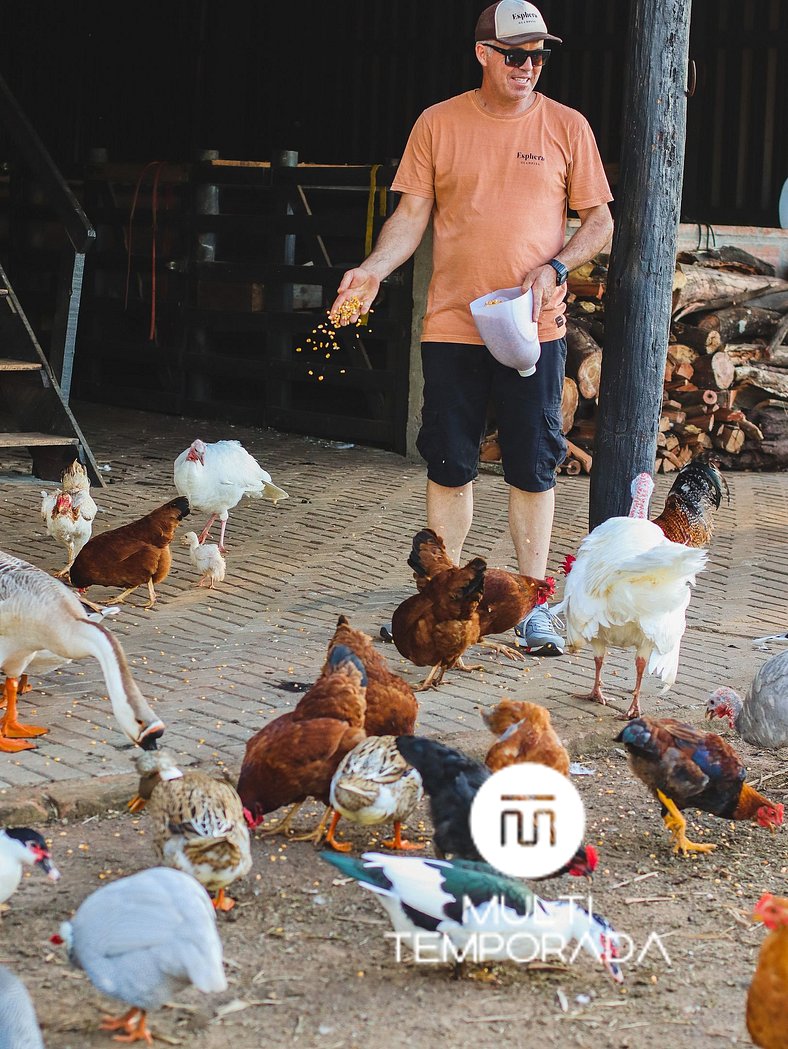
(34,399)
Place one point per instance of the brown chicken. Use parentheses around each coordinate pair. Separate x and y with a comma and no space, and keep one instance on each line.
(392,706)
(525,733)
(508,597)
(767,1016)
(295,756)
(688,515)
(434,627)
(684,767)
(131,555)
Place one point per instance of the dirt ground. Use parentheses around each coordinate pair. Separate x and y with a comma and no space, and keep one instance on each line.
(308,963)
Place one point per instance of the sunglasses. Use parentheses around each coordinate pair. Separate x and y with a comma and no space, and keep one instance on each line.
(517,57)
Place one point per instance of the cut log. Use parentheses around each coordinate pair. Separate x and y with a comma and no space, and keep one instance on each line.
(744,352)
(704,289)
(700,339)
(729,415)
(750,430)
(772,452)
(771,300)
(739,323)
(772,380)
(683,353)
(570,398)
(582,457)
(708,398)
(716,370)
(728,257)
(729,438)
(490,451)
(571,466)
(583,360)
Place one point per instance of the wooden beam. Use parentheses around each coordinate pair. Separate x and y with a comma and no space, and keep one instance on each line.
(642,262)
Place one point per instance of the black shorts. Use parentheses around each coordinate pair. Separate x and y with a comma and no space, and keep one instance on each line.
(460,381)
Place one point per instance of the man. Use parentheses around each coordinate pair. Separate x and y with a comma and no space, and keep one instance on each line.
(496,169)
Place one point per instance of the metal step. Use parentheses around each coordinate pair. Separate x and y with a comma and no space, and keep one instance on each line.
(34,440)
(8,365)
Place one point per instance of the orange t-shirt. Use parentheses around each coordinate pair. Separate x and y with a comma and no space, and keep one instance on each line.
(500,187)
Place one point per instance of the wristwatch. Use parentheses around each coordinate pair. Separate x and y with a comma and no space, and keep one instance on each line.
(561,272)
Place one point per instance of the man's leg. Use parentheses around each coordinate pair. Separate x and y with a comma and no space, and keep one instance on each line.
(450,513)
(531,524)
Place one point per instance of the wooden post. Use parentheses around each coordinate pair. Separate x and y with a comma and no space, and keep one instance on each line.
(638,298)
(196,386)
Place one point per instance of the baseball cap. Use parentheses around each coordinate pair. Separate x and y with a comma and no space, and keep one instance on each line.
(512,22)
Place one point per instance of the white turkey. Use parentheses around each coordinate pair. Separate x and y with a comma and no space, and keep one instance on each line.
(215,477)
(143,939)
(38,614)
(629,587)
(206,558)
(761,718)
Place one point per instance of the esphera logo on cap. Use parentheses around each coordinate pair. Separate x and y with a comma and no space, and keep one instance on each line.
(526,16)
(527,820)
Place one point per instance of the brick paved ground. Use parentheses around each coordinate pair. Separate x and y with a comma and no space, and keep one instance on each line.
(218,664)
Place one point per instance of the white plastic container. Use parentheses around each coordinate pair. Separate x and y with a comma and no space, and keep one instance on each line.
(507,328)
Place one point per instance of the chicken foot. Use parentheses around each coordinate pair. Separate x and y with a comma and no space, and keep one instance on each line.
(132,1022)
(596,694)
(207,530)
(315,835)
(222,902)
(432,680)
(677,826)
(283,826)
(504,650)
(10,727)
(634,706)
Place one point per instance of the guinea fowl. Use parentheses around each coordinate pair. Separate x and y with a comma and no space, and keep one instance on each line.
(629,587)
(18,1023)
(216,476)
(451,780)
(143,939)
(39,613)
(198,823)
(761,718)
(22,847)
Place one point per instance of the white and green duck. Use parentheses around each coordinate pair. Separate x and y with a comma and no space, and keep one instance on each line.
(485,915)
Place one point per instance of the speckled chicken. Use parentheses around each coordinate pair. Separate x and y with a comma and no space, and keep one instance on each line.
(696,493)
(392,706)
(374,784)
(143,939)
(525,733)
(198,823)
(18,1023)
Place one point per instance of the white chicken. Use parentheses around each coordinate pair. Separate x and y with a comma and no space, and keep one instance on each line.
(68,512)
(206,558)
(39,614)
(629,587)
(215,477)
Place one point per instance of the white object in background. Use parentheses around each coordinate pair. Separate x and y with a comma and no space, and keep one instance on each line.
(508,329)
(783,206)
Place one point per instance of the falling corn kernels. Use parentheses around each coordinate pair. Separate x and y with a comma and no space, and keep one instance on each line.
(346,310)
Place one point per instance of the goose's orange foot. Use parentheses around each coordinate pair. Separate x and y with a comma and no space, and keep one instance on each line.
(15,730)
(8,746)
(222,902)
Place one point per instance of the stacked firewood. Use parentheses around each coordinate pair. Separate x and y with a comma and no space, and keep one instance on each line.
(726,375)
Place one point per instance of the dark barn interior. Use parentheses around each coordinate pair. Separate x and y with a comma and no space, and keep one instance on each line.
(178,124)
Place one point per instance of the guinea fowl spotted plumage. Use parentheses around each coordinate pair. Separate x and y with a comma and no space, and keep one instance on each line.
(142,940)
(761,718)
(198,823)
(216,476)
(18,1023)
(38,613)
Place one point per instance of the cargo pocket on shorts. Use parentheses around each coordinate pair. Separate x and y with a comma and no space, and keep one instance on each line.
(553,443)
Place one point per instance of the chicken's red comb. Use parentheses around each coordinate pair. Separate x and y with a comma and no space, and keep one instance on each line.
(592,857)
(57,939)
(546,589)
(569,560)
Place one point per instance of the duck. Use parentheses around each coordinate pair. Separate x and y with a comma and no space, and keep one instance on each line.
(22,847)
(374,784)
(39,613)
(143,939)
(462,900)
(206,558)
(18,1023)
(761,718)
(198,823)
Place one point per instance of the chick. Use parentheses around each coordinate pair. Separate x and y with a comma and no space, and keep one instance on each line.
(206,558)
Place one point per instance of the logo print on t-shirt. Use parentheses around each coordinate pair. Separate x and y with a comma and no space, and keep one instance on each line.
(529,158)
